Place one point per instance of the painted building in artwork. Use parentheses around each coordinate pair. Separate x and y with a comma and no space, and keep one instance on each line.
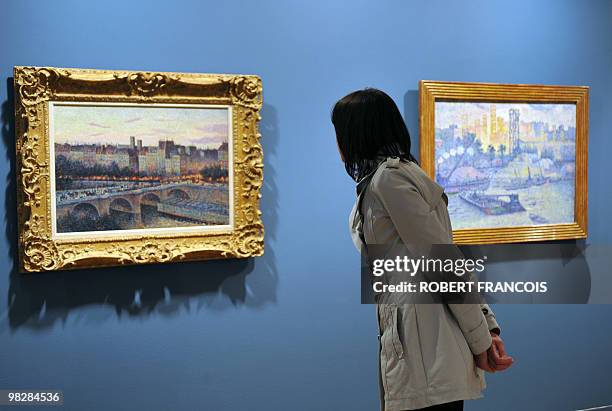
(484,138)
(147,161)
(492,120)
(165,159)
(90,154)
(513,130)
(223,153)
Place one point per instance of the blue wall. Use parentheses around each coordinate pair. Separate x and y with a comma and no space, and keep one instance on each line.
(286,331)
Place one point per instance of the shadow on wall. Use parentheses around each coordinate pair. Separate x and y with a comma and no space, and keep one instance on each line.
(411,117)
(37,301)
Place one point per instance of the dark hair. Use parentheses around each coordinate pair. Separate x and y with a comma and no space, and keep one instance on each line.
(369,126)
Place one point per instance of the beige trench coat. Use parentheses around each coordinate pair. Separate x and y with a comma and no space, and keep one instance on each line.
(426,350)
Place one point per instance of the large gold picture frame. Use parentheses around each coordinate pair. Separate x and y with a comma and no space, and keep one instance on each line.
(39,89)
(433,95)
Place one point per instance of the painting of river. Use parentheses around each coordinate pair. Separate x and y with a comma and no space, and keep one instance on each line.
(137,167)
(506,164)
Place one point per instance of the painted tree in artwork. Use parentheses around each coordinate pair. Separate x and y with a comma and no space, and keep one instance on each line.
(491,151)
(502,152)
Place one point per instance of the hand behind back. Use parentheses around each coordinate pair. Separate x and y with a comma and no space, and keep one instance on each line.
(495,358)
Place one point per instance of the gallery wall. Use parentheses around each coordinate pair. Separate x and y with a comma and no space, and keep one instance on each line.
(286,330)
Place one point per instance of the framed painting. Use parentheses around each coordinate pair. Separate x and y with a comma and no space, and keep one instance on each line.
(512,158)
(121,167)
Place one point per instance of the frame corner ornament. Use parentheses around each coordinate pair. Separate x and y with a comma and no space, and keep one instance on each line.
(246,91)
(36,84)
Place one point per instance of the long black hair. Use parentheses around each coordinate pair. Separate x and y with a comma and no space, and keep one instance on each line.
(369,126)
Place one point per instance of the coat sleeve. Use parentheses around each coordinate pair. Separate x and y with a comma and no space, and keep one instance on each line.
(418,224)
(490,317)
(473,325)
(355,228)
(415,220)
(488,313)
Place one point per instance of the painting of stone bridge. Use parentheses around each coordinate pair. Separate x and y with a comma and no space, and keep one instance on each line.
(137,168)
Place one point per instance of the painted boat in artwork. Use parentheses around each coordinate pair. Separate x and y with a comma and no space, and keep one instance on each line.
(493,204)
(517,182)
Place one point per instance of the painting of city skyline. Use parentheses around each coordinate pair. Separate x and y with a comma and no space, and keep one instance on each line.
(506,164)
(139,167)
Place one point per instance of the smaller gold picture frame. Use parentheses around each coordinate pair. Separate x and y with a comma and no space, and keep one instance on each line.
(152,196)
(511,157)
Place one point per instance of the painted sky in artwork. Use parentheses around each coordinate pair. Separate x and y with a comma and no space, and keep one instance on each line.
(202,127)
(448,113)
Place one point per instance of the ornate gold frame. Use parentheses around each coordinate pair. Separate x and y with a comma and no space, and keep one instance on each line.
(35,87)
(432,91)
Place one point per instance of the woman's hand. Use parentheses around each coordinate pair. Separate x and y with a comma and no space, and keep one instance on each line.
(498,359)
(482,361)
(495,358)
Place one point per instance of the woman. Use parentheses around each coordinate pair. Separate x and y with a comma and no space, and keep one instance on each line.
(431,356)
